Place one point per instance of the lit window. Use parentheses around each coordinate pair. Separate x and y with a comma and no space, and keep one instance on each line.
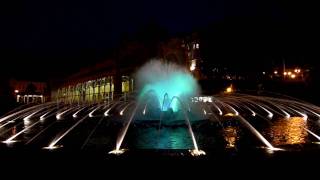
(193,65)
(197,45)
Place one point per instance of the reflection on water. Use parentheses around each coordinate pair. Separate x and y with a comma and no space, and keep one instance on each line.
(289,131)
(230,136)
(167,138)
(14,130)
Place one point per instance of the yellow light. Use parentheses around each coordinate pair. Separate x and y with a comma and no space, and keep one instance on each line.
(193,65)
(289,73)
(230,115)
(229,90)
(285,73)
(297,70)
(293,76)
(117,151)
(16,91)
(197,152)
(275,72)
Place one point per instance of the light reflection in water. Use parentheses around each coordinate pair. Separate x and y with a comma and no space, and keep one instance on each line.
(230,136)
(289,131)
(14,130)
(169,138)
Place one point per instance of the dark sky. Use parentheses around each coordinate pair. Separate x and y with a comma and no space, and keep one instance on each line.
(47,37)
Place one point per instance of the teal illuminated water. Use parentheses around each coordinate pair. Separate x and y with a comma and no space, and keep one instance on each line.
(159,78)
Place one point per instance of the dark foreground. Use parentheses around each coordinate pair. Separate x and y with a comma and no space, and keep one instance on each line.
(139,156)
(158,164)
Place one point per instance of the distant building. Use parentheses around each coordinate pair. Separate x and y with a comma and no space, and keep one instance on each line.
(191,47)
(29,91)
(113,78)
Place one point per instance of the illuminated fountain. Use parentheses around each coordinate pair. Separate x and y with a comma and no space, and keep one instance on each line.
(170,85)
(167,113)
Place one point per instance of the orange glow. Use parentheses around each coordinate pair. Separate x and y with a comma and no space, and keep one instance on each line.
(297,70)
(229,115)
(231,136)
(229,89)
(289,131)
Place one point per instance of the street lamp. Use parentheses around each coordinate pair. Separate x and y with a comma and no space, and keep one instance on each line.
(229,89)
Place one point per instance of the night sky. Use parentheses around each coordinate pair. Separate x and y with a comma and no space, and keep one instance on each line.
(44,39)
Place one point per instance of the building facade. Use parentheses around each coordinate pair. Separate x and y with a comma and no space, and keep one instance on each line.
(114,78)
(29,91)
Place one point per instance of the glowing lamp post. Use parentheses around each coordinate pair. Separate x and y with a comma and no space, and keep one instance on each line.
(229,89)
